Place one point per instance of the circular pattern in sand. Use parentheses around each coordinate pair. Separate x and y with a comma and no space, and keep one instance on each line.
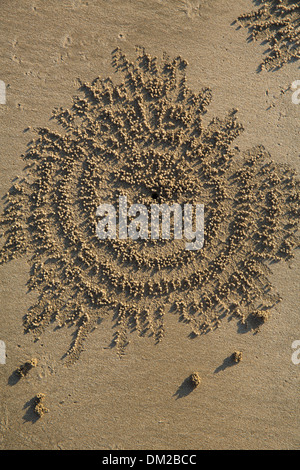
(144,137)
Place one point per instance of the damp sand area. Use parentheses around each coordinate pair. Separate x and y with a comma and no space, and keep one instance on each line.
(120,343)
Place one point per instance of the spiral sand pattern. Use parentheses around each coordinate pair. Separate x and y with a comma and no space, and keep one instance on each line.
(278,23)
(143,137)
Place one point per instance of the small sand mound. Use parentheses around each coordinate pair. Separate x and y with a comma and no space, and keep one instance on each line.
(195,379)
(237,356)
(39,407)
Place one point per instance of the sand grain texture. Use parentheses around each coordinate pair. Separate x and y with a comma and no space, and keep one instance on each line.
(142,401)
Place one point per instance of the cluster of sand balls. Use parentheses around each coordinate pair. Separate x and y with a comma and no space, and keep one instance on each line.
(39,406)
(25,368)
(144,137)
(278,23)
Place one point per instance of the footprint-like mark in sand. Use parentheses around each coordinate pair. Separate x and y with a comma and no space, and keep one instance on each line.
(67,41)
(190,8)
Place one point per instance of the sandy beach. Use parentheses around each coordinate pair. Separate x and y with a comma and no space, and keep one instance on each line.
(142,344)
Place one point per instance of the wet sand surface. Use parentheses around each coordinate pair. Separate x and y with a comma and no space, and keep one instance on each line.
(140,396)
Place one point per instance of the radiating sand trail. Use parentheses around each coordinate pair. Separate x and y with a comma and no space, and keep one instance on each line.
(276,22)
